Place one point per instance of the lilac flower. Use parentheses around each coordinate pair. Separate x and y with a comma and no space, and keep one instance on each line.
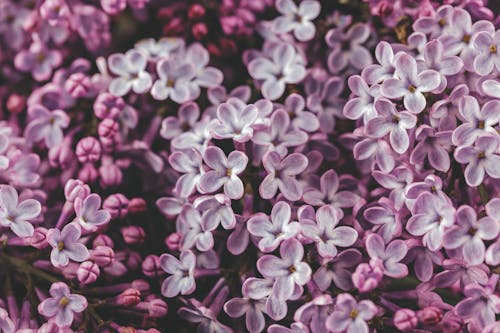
(88,214)
(456,270)
(488,56)
(278,136)
(216,210)
(192,231)
(363,104)
(288,271)
(62,305)
(225,171)
(131,70)
(282,67)
(189,163)
(468,234)
(326,234)
(390,121)
(431,215)
(274,230)
(337,270)
(350,315)
(297,18)
(38,60)
(347,48)
(6,323)
(301,119)
(235,120)
(481,159)
(181,281)
(410,84)
(66,245)
(377,73)
(491,88)
(329,194)
(46,125)
(367,276)
(251,308)
(327,103)
(433,146)
(481,304)
(437,24)
(315,312)
(390,255)
(375,151)
(386,217)
(16,215)
(281,175)
(186,119)
(294,328)
(173,81)
(205,76)
(476,121)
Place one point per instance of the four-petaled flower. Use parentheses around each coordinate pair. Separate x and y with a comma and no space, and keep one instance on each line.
(88,214)
(131,71)
(62,305)
(66,245)
(297,18)
(351,316)
(46,125)
(235,120)
(390,255)
(15,215)
(181,281)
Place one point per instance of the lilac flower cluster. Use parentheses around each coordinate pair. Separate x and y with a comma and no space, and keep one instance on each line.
(233,166)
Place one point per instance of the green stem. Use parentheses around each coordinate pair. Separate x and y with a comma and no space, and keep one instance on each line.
(483,193)
(27,268)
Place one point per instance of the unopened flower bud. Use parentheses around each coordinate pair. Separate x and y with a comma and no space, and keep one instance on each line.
(133,260)
(151,266)
(157,308)
(108,106)
(88,150)
(141,285)
(111,175)
(39,240)
(405,320)
(116,205)
(199,30)
(16,103)
(103,240)
(78,85)
(88,272)
(196,11)
(75,188)
(137,205)
(133,234)
(61,156)
(102,255)
(430,315)
(173,241)
(129,297)
(452,323)
(88,173)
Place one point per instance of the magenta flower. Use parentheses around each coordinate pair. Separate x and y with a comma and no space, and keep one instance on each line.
(62,305)
(390,255)
(410,84)
(38,60)
(329,193)
(16,215)
(88,214)
(469,234)
(283,66)
(390,121)
(326,234)
(288,271)
(350,315)
(476,121)
(281,175)
(131,71)
(367,276)
(235,120)
(173,81)
(225,171)
(274,230)
(66,245)
(481,159)
(431,215)
(347,48)
(181,281)
(297,18)
(488,56)
(46,125)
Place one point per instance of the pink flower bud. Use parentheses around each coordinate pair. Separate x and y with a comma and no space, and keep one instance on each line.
(88,272)
(16,103)
(111,176)
(103,240)
(102,255)
(133,234)
(452,323)
(108,106)
(88,173)
(38,240)
(430,315)
(108,128)
(199,30)
(151,266)
(75,188)
(173,241)
(113,7)
(366,277)
(78,85)
(196,11)
(141,285)
(61,156)
(405,320)
(137,205)
(133,260)
(174,27)
(157,308)
(116,205)
(88,149)
(129,297)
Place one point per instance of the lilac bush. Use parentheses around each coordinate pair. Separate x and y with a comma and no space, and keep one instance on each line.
(280,166)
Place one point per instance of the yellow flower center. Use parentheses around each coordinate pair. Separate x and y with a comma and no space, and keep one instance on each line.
(64,301)
(493,48)
(412,88)
(353,314)
(60,246)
